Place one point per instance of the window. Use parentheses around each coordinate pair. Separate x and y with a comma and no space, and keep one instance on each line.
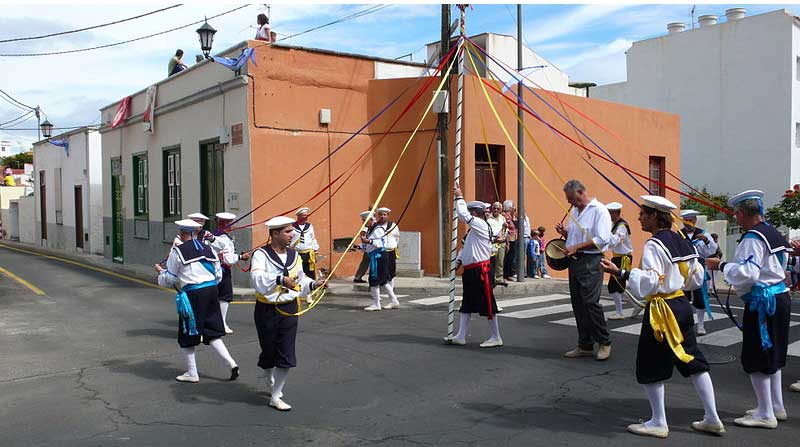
(58,198)
(140,185)
(172,182)
(797,69)
(657,172)
(796,134)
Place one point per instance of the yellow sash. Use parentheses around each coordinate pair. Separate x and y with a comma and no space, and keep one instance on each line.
(663,321)
(312,259)
(396,252)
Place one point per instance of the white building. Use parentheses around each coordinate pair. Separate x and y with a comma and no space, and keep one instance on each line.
(736,87)
(69,192)
(504,48)
(5,148)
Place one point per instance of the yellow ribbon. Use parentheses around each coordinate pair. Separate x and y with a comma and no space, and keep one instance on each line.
(664,324)
(625,262)
(312,259)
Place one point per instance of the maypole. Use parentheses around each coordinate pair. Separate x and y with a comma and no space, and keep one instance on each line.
(451,306)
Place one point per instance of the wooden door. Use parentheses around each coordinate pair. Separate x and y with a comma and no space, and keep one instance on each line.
(43,202)
(78,216)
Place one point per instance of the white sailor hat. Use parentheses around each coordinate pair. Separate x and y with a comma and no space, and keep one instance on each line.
(383,209)
(187,225)
(364,214)
(226,216)
(689,213)
(742,196)
(197,216)
(476,205)
(279,222)
(614,206)
(487,205)
(658,203)
(302,210)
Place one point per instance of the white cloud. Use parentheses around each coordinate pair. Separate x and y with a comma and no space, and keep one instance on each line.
(570,22)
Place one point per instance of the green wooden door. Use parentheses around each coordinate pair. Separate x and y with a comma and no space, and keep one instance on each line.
(116,211)
(212,180)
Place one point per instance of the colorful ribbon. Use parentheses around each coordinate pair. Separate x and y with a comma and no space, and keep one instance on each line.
(761,299)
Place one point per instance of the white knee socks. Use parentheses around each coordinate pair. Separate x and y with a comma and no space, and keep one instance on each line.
(777,391)
(463,326)
(191,362)
(375,293)
(279,377)
(223,307)
(617,302)
(389,288)
(269,379)
(493,326)
(655,394)
(761,385)
(700,314)
(220,349)
(705,389)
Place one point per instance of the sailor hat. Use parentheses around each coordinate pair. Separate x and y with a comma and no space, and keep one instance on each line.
(742,196)
(279,222)
(303,210)
(383,209)
(614,206)
(226,216)
(658,203)
(197,216)
(689,213)
(187,225)
(476,205)
(364,214)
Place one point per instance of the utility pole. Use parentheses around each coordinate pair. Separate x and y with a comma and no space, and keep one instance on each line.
(522,250)
(444,166)
(38,123)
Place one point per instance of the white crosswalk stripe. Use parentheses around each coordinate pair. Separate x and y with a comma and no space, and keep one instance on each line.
(549,310)
(635,329)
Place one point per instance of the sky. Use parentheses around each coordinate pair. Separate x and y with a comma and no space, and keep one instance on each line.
(588,42)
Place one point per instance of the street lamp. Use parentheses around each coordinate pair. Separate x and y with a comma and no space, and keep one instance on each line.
(47,129)
(206,34)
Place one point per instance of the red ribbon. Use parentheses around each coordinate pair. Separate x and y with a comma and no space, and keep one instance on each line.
(487,285)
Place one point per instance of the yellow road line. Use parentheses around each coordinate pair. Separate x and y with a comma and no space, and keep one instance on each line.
(88,267)
(33,288)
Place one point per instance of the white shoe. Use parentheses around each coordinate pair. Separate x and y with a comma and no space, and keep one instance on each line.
(492,342)
(701,330)
(616,317)
(309,300)
(640,429)
(536,276)
(499,309)
(779,415)
(749,421)
(188,378)
(372,308)
(715,429)
(795,386)
(278,404)
(455,341)
(392,306)
(228,330)
(546,276)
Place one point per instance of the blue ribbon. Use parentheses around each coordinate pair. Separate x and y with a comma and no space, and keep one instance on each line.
(704,288)
(61,143)
(761,299)
(374,255)
(239,62)
(184,307)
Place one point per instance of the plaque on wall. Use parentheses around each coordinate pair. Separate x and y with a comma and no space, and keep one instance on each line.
(237,134)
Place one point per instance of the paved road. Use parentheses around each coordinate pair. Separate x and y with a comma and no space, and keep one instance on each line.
(92,363)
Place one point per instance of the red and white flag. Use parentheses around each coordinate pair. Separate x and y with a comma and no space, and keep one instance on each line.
(148,121)
(122,112)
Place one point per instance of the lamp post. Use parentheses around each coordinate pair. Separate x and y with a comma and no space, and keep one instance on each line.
(206,34)
(47,129)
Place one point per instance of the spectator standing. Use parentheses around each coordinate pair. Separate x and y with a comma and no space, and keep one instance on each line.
(541,265)
(510,214)
(533,253)
(263,32)
(497,222)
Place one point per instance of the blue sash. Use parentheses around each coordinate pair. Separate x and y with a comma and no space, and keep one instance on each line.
(704,288)
(761,299)
(373,262)
(185,308)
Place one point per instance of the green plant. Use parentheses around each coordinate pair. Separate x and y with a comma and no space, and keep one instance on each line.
(17,161)
(787,211)
(720,200)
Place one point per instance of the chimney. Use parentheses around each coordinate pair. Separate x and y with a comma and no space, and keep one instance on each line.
(676,27)
(735,13)
(707,20)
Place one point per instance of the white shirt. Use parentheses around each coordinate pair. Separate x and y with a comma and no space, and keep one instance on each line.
(704,249)
(178,275)
(265,274)
(477,247)
(309,238)
(761,267)
(263,32)
(526,228)
(376,234)
(658,274)
(620,242)
(225,250)
(392,238)
(596,221)
(498,225)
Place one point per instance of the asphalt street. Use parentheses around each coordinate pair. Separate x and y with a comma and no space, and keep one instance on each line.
(92,363)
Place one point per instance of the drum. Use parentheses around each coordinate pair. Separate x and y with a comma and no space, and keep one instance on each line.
(554,252)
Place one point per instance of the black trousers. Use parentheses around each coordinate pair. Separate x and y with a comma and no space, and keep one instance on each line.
(510,261)
(305,257)
(207,318)
(585,284)
(363,267)
(276,335)
(766,361)
(225,287)
(615,283)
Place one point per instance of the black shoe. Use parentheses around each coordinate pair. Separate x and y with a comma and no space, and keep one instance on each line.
(502,283)
(359,280)
(234,373)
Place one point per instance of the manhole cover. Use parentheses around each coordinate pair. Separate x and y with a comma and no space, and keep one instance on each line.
(717,358)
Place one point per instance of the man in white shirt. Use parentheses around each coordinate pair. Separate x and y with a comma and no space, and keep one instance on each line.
(588,233)
(497,222)
(304,242)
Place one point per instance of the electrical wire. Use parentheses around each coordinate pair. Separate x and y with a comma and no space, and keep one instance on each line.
(13,101)
(55,128)
(21,117)
(17,39)
(364,12)
(78,50)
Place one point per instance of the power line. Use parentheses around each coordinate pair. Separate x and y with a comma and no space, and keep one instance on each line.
(26,114)
(370,10)
(17,39)
(55,128)
(14,101)
(52,53)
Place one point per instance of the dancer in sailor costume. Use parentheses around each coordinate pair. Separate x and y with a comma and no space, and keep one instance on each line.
(374,243)
(363,266)
(193,269)
(706,247)
(304,242)
(669,264)
(202,234)
(622,257)
(757,272)
(477,277)
(280,282)
(225,250)
(392,241)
